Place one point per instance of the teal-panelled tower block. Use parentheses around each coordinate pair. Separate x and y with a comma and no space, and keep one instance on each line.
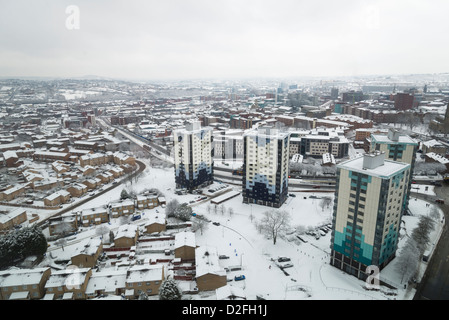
(369,198)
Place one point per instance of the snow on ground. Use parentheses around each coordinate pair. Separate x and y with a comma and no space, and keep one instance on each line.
(310,277)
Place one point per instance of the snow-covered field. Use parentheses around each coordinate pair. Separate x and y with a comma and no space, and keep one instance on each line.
(310,277)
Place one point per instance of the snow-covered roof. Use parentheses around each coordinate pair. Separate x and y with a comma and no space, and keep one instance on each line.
(386,170)
(9,154)
(155,218)
(87,247)
(432,143)
(230,292)
(437,157)
(185,238)
(57,194)
(21,277)
(107,281)
(126,231)
(123,203)
(71,277)
(143,273)
(10,215)
(207,262)
(403,139)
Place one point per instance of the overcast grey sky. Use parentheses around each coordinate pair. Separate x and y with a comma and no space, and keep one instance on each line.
(181,39)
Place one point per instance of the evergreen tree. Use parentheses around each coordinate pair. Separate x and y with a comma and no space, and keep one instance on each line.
(124,195)
(22,243)
(169,290)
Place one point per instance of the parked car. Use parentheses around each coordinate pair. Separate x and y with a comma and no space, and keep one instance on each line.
(440,201)
(283,259)
(239,278)
(216,223)
(136,217)
(222,256)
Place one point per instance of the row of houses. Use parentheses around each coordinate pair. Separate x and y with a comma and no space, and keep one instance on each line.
(103,214)
(79,283)
(82,280)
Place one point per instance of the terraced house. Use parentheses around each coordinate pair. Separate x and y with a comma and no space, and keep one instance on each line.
(369,197)
(23,284)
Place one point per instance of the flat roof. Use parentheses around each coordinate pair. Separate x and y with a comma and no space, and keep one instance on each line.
(385,171)
(403,139)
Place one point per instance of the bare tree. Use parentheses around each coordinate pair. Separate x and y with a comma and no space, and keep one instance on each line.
(407,261)
(231,212)
(200,224)
(421,233)
(101,231)
(275,222)
(171,207)
(222,209)
(63,228)
(61,242)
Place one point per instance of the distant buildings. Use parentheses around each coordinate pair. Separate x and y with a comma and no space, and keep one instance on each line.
(265,167)
(193,156)
(317,142)
(369,198)
(403,101)
(441,124)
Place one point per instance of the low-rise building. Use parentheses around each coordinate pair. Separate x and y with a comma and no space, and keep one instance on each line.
(121,208)
(12,218)
(144,279)
(185,245)
(57,198)
(94,216)
(28,283)
(156,223)
(126,236)
(146,201)
(107,282)
(69,283)
(86,253)
(209,274)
